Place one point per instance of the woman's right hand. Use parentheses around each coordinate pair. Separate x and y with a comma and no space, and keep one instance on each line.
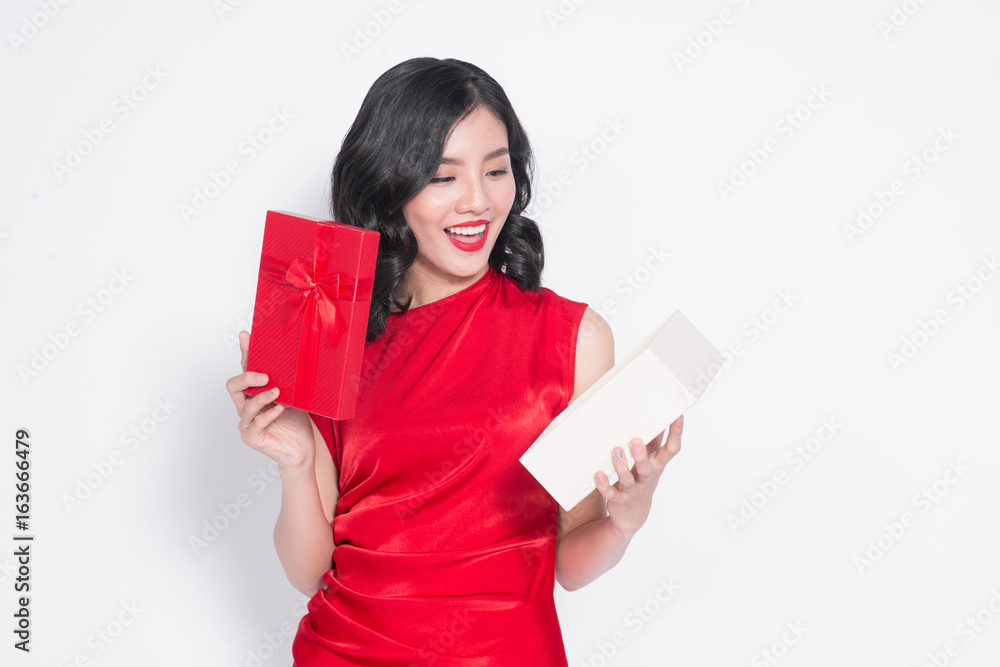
(283,433)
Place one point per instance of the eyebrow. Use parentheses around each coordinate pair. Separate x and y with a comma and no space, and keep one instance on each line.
(495,154)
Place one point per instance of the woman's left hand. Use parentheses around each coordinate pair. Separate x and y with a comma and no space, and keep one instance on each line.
(631,497)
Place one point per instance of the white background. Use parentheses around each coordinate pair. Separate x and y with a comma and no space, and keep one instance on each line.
(678,129)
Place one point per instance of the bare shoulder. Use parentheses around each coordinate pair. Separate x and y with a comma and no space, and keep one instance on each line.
(595,351)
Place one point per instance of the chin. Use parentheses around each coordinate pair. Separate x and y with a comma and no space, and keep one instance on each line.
(468,270)
(465,264)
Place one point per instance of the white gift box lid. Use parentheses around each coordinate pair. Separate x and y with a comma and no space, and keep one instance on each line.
(644,392)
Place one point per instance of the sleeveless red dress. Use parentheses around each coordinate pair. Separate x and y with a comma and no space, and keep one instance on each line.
(444,543)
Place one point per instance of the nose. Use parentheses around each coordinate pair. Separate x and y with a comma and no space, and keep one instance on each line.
(473,199)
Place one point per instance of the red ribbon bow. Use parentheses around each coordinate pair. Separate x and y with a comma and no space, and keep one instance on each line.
(319,298)
(313,300)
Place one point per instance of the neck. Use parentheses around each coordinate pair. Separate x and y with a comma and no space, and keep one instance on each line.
(430,288)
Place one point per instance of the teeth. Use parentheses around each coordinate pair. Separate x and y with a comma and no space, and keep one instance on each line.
(467,231)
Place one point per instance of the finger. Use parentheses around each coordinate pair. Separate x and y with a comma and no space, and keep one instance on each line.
(235,386)
(254,406)
(253,436)
(247,380)
(672,445)
(621,467)
(604,488)
(260,403)
(643,467)
(239,383)
(244,348)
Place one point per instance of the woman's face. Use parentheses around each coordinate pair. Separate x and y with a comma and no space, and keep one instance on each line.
(473,184)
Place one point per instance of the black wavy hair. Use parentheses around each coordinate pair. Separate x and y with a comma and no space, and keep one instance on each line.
(391,152)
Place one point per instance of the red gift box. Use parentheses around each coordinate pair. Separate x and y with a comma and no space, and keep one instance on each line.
(310,316)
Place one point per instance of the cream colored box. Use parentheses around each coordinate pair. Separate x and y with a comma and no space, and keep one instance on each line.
(644,392)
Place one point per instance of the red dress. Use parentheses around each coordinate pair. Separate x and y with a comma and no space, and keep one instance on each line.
(444,543)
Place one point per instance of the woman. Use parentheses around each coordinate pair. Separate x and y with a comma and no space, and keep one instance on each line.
(444,548)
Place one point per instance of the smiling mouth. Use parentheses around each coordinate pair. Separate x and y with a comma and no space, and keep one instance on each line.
(469,237)
(467,231)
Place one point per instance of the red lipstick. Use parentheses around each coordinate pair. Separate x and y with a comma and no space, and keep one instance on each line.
(475,242)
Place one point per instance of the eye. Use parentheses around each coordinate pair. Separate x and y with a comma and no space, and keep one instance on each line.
(442,179)
(498,172)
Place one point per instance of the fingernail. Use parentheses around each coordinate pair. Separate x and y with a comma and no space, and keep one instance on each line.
(272,392)
(618,454)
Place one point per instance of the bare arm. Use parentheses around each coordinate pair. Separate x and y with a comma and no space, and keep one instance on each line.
(593,536)
(587,545)
(303,535)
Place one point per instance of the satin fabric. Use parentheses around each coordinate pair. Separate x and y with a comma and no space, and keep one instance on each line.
(444,543)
